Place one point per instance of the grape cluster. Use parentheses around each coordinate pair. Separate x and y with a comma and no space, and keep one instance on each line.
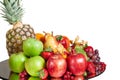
(95,59)
(100,67)
(94,56)
(68,76)
(23,75)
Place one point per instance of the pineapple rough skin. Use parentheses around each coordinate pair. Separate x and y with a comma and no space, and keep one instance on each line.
(16,36)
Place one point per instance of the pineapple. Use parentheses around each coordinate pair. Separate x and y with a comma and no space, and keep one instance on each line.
(12,12)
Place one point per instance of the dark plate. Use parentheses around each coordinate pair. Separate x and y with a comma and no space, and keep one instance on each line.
(5,71)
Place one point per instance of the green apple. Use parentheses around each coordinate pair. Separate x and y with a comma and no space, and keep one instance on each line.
(34,78)
(14,76)
(34,64)
(32,47)
(16,62)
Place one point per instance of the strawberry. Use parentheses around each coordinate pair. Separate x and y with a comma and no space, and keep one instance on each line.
(91,69)
(43,74)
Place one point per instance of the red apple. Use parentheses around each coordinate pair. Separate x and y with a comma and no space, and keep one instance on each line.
(77,64)
(56,65)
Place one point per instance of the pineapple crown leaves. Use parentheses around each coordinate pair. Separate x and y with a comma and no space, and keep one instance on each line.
(12,10)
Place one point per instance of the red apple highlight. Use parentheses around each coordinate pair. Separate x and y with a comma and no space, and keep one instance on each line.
(56,65)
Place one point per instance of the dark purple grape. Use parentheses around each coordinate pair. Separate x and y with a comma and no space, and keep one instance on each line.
(98,58)
(96,51)
(94,57)
(96,61)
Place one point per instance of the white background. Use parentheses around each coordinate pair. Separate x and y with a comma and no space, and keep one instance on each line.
(96,21)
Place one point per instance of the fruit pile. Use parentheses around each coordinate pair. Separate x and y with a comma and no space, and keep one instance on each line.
(49,57)
(35,56)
